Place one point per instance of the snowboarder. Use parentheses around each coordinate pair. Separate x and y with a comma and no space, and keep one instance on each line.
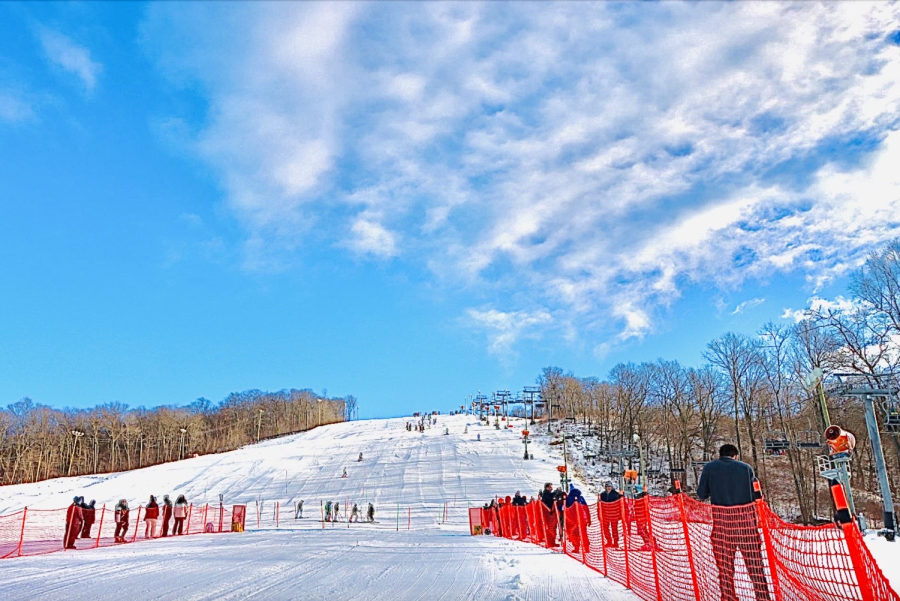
(446,431)
(344,475)
(360,457)
(151,515)
(166,514)
(179,512)
(370,513)
(354,513)
(87,512)
(121,520)
(298,511)
(74,519)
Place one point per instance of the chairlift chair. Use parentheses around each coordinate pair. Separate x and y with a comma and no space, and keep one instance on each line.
(892,416)
(809,439)
(776,443)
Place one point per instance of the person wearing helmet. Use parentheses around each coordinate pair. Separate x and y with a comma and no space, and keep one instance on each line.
(74,520)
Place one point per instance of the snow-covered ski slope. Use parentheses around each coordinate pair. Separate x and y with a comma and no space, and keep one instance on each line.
(406,474)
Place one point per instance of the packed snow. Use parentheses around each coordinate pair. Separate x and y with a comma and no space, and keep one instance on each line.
(421,484)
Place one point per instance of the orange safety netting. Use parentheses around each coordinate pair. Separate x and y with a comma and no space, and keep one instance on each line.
(678,549)
(38,531)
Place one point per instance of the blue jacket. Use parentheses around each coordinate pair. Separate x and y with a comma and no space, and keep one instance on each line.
(726,482)
(574,496)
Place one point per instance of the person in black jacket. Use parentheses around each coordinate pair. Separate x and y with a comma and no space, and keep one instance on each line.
(611,512)
(87,512)
(728,484)
(548,511)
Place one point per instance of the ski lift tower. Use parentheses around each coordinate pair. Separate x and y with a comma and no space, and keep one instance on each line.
(481,400)
(503,397)
(871,388)
(621,452)
(531,394)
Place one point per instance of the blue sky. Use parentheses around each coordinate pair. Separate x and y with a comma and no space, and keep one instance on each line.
(409,202)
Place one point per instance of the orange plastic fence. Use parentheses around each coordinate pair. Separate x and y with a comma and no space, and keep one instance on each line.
(39,531)
(678,549)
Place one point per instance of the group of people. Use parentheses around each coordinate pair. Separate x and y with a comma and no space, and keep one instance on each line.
(80,517)
(332,512)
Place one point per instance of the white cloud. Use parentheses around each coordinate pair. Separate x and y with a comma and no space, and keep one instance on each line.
(504,329)
(747,304)
(75,59)
(14,109)
(593,158)
(838,305)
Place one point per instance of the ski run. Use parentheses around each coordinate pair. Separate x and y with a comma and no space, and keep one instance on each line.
(420,483)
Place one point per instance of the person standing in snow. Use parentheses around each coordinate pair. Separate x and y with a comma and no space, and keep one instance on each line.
(298,511)
(728,484)
(179,512)
(337,511)
(548,511)
(611,513)
(327,511)
(579,518)
(354,513)
(151,516)
(642,519)
(370,513)
(87,512)
(166,514)
(360,457)
(121,520)
(74,519)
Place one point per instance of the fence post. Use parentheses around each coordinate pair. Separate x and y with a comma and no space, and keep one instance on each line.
(852,538)
(190,513)
(540,510)
(205,513)
(767,539)
(646,500)
(277,521)
(222,515)
(582,531)
(100,528)
(626,531)
(687,541)
(602,521)
(137,526)
(408,517)
(22,533)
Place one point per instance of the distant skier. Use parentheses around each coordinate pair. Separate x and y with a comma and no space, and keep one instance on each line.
(370,513)
(337,511)
(298,511)
(354,513)
(121,520)
(327,511)
(360,457)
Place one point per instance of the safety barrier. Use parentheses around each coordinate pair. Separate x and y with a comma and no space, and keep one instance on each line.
(678,549)
(39,531)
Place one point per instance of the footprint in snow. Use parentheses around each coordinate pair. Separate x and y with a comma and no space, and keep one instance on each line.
(519,581)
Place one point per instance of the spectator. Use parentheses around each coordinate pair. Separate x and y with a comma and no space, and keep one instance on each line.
(728,484)
(87,512)
(548,512)
(298,511)
(370,514)
(151,517)
(642,519)
(576,527)
(179,512)
(611,509)
(121,520)
(74,519)
(166,514)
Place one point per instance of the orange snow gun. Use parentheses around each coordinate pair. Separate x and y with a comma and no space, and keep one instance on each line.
(839,441)
(561,469)
(631,475)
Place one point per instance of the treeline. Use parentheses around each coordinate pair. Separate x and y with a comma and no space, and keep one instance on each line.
(38,442)
(761,393)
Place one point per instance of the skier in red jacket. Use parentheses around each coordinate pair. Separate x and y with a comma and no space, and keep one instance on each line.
(74,520)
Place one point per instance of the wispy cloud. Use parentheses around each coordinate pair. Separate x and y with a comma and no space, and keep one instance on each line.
(74,58)
(14,109)
(839,305)
(747,304)
(592,158)
(504,329)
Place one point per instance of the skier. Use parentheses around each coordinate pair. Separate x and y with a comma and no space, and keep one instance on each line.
(327,511)
(74,519)
(344,475)
(121,521)
(370,513)
(298,512)
(360,457)
(337,511)
(354,513)
(166,514)
(179,512)
(87,512)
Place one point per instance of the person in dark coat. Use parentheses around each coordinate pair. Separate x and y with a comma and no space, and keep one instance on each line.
(548,512)
(577,520)
(610,507)
(166,514)
(87,512)
(728,484)
(521,514)
(74,519)
(121,521)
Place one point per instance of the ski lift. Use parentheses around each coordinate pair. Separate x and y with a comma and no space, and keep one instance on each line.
(776,443)
(809,439)
(892,416)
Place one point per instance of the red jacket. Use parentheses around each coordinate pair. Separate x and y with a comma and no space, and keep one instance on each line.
(151,512)
(74,515)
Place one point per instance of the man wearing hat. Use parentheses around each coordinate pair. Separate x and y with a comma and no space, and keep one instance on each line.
(74,519)
(612,514)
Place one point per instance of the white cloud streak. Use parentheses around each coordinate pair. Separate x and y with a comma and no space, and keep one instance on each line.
(63,52)
(590,159)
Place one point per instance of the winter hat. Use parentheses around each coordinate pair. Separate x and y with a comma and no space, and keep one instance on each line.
(609,484)
(75,500)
